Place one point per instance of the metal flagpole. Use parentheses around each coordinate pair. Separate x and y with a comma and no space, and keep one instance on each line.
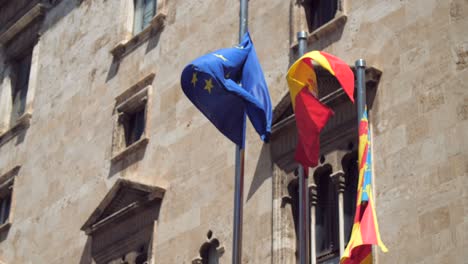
(361,87)
(303,190)
(239,177)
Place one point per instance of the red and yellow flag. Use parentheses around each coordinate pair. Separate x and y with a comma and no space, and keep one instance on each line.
(365,232)
(311,115)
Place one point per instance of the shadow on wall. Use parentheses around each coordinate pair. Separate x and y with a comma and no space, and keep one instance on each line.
(126,162)
(4,234)
(61,10)
(86,257)
(261,173)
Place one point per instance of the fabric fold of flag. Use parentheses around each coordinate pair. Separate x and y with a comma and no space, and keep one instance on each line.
(311,115)
(227,84)
(365,231)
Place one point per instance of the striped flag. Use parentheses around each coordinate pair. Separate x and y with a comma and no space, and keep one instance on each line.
(365,232)
(311,115)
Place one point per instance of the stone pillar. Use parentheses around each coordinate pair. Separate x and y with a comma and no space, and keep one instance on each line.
(284,237)
(339,181)
(313,204)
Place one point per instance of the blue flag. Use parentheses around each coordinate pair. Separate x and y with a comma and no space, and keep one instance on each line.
(227,84)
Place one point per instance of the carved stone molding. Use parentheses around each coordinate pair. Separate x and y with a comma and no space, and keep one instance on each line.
(284,236)
(339,180)
(127,45)
(211,241)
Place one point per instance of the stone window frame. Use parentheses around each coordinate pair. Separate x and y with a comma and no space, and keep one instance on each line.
(326,29)
(103,220)
(7,185)
(135,97)
(128,40)
(10,36)
(210,241)
(14,28)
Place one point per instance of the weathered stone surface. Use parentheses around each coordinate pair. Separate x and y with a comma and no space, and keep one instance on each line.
(418,119)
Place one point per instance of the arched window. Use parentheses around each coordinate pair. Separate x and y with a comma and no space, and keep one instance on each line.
(210,251)
(211,255)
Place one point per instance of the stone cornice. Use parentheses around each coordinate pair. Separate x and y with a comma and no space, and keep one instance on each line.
(11,31)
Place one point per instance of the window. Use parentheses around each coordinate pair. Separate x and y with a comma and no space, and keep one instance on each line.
(5,205)
(144,19)
(319,12)
(131,119)
(6,197)
(326,226)
(21,69)
(123,224)
(144,13)
(133,257)
(210,252)
(350,195)
(134,125)
(211,255)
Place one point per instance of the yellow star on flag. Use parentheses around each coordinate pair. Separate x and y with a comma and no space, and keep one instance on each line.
(194,79)
(208,85)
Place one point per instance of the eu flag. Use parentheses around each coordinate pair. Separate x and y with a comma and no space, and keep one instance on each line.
(227,84)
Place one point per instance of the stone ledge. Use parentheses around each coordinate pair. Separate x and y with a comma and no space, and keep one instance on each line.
(142,85)
(101,216)
(125,46)
(22,123)
(325,29)
(134,147)
(37,11)
(7,176)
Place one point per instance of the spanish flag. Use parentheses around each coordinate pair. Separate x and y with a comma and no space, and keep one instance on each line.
(311,115)
(365,232)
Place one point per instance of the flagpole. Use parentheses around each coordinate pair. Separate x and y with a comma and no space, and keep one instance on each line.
(303,190)
(239,170)
(361,88)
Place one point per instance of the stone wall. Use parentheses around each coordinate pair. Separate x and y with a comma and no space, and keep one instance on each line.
(418,119)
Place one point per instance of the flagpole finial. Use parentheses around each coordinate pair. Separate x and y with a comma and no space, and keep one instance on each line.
(301,35)
(361,63)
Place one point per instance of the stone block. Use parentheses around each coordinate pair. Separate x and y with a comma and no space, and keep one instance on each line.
(417,130)
(462,110)
(433,221)
(458,10)
(460,54)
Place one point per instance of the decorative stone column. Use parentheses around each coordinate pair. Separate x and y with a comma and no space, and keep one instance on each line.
(313,204)
(339,181)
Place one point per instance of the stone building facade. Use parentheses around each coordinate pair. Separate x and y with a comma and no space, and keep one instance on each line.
(104,160)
